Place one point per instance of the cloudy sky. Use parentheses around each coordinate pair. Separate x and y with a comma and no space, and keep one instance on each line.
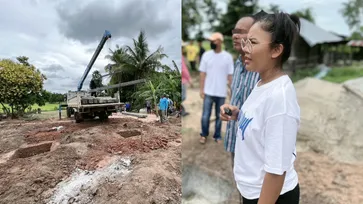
(60,36)
(326,12)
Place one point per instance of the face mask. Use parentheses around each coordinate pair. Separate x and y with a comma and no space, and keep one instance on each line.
(213,46)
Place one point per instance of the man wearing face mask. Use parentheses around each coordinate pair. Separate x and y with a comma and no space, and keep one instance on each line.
(216,69)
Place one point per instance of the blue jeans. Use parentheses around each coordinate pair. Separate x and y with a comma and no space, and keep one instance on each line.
(184,92)
(207,110)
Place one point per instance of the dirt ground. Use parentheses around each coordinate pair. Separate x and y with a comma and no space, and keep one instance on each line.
(123,160)
(329,170)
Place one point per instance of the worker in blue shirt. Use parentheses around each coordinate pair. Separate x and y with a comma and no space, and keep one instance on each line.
(163,106)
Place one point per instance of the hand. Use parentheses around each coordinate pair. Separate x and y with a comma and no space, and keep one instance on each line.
(202,94)
(225,117)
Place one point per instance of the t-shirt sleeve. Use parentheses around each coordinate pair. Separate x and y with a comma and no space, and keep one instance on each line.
(280,140)
(203,66)
(230,65)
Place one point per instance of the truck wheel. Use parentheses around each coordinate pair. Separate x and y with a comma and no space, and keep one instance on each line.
(69,113)
(103,116)
(78,117)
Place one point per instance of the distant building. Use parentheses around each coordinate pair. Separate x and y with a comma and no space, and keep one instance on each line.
(307,51)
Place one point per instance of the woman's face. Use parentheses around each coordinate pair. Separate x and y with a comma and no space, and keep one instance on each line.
(259,56)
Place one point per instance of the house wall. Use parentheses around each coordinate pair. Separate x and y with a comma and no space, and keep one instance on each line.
(306,56)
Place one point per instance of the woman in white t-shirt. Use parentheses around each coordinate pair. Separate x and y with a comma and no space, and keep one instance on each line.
(269,119)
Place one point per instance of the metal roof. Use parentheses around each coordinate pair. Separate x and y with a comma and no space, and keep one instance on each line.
(355,43)
(314,35)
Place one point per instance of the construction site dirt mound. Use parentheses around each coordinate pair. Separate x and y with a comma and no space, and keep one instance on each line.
(331,120)
(92,161)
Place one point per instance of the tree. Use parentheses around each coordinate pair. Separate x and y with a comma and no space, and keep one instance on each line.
(166,82)
(23,60)
(235,10)
(132,63)
(20,87)
(137,60)
(212,13)
(357,35)
(96,81)
(274,8)
(191,17)
(352,11)
(306,14)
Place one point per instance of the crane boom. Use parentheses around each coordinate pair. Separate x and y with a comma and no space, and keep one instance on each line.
(105,37)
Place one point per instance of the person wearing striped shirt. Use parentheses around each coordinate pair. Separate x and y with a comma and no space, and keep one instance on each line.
(243,81)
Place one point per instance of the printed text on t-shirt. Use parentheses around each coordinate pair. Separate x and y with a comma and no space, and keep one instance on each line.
(243,122)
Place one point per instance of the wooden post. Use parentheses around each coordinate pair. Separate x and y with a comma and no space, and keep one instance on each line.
(60,111)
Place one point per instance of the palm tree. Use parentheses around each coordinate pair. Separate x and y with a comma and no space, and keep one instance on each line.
(137,61)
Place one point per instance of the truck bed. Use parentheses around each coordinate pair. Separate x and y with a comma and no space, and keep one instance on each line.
(94,105)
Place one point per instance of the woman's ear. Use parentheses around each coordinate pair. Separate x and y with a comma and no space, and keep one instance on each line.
(277,51)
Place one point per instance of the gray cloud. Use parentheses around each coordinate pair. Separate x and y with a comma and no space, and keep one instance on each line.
(53,68)
(89,21)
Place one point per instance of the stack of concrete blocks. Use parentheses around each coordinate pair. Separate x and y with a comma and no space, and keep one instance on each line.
(88,100)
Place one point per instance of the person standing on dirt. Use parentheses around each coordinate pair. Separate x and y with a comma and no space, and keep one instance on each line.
(186,79)
(192,54)
(243,80)
(269,119)
(163,107)
(216,69)
(201,50)
(127,105)
(170,105)
(148,106)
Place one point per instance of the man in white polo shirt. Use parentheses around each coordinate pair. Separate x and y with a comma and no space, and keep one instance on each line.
(216,69)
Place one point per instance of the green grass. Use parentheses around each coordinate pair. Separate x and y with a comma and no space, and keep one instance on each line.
(46,107)
(303,73)
(342,74)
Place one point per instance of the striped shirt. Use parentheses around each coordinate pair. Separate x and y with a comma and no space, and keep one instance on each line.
(242,84)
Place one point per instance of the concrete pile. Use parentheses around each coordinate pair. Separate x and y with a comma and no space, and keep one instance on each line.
(331,118)
(97,100)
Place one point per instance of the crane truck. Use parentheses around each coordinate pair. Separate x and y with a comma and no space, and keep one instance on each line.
(82,104)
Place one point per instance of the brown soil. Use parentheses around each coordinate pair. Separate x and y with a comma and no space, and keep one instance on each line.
(155,152)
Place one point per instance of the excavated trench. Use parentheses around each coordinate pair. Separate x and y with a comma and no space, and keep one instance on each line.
(32,150)
(129,133)
(201,187)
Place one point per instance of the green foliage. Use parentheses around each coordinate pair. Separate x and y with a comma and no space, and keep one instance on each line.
(53,97)
(357,35)
(274,8)
(132,63)
(352,12)
(167,82)
(307,14)
(137,62)
(191,17)
(342,74)
(303,73)
(20,85)
(341,48)
(23,60)
(96,82)
(235,10)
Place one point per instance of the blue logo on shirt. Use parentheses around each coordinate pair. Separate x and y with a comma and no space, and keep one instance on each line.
(243,123)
